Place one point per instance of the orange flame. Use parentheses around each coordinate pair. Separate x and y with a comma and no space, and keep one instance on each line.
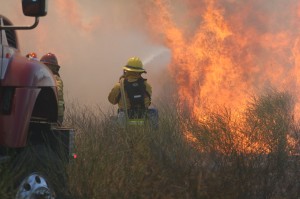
(237,48)
(226,51)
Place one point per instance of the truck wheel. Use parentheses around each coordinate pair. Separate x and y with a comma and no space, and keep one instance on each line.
(39,173)
(35,186)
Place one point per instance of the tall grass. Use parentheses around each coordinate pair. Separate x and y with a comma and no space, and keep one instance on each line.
(249,157)
(254,155)
(115,162)
(5,183)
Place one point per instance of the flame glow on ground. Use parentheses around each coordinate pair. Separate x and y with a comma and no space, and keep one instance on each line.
(225,51)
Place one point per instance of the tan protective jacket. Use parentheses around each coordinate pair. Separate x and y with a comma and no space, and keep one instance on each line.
(60,96)
(114,96)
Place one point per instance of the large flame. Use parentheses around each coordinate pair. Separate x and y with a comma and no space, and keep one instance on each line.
(224,51)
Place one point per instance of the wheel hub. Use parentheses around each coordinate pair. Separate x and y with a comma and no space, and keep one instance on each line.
(35,186)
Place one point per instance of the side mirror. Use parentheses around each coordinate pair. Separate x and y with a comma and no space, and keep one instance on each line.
(34,8)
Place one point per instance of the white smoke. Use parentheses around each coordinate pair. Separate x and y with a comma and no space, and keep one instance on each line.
(92,40)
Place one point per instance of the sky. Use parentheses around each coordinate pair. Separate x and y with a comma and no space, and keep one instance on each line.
(92,41)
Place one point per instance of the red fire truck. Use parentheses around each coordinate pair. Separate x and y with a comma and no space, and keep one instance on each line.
(32,144)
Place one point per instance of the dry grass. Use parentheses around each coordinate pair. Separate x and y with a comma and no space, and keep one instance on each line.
(139,163)
(126,163)
(255,156)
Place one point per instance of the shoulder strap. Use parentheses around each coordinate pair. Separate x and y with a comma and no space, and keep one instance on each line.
(147,93)
(123,97)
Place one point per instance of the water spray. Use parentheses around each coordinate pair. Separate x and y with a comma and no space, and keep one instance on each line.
(162,51)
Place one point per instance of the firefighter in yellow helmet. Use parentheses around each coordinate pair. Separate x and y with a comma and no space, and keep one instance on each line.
(51,62)
(137,91)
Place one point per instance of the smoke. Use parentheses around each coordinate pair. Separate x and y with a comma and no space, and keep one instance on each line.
(71,11)
(218,51)
(92,40)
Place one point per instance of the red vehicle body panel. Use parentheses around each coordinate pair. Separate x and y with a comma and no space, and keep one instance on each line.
(14,126)
(24,73)
(28,78)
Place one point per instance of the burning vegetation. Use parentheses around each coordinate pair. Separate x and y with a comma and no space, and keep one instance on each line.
(235,66)
(226,52)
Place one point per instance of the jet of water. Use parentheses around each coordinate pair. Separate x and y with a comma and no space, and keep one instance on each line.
(162,51)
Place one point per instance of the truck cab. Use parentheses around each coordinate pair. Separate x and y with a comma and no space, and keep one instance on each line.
(27,91)
(30,138)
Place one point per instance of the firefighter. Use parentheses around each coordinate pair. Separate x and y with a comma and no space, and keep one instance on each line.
(51,62)
(132,93)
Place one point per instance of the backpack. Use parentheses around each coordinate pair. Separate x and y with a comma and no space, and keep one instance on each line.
(136,92)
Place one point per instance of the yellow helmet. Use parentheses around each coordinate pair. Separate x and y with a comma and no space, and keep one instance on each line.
(134,64)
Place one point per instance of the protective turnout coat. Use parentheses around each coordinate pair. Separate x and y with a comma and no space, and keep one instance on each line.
(60,96)
(114,96)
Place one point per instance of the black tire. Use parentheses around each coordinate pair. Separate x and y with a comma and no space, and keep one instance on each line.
(39,171)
